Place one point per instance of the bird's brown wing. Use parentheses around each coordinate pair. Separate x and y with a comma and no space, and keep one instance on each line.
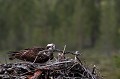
(30,55)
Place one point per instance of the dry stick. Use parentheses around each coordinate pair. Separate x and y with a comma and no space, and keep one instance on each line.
(64,49)
(38,55)
(5,60)
(35,59)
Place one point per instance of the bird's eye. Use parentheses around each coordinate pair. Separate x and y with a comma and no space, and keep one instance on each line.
(48,47)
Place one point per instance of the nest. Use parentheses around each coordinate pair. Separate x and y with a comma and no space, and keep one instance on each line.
(61,67)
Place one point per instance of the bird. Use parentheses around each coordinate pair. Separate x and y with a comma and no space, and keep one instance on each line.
(34,54)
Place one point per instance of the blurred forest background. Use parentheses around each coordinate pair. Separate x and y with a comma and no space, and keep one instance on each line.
(89,25)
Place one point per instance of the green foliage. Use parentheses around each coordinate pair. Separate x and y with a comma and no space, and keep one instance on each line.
(77,23)
(117,61)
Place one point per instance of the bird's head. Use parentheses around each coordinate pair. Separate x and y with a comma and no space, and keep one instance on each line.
(50,46)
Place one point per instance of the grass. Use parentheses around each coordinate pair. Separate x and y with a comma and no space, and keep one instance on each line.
(107,64)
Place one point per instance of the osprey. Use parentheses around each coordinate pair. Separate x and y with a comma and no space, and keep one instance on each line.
(35,54)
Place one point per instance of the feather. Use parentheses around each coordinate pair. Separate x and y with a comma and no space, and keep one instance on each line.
(30,54)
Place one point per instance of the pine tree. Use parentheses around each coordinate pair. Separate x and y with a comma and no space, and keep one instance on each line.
(108,25)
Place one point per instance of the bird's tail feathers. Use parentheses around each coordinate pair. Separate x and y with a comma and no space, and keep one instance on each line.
(11,54)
